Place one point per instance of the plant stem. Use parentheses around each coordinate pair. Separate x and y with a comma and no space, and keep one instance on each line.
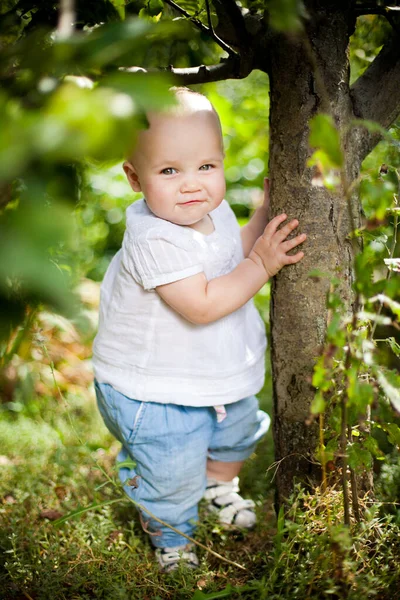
(389,273)
(343,449)
(322,449)
(354,490)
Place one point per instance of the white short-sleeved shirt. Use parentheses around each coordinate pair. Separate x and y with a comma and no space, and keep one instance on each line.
(145,349)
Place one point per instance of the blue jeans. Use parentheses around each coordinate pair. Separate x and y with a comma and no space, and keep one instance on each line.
(170,445)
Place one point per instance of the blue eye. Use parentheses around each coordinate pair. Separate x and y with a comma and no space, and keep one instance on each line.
(206,167)
(168,171)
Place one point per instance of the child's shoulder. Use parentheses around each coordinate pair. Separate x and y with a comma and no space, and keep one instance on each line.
(140,218)
(142,224)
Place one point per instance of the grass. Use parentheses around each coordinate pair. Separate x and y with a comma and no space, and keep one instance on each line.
(56,457)
(47,473)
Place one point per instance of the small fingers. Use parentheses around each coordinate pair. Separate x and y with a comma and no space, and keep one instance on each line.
(291,260)
(273,225)
(286,230)
(290,244)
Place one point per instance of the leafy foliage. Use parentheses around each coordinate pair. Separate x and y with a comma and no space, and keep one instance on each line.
(353,384)
(54,117)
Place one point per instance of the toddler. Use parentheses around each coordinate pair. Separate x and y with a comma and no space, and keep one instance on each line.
(180,349)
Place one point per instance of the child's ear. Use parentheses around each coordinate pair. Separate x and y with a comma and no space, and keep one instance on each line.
(132,176)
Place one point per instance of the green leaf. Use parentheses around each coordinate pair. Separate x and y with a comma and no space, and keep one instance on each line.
(128,463)
(225,593)
(358,457)
(83,509)
(149,91)
(393,432)
(391,391)
(120,7)
(286,15)
(325,136)
(26,236)
(392,304)
(372,446)
(394,346)
(321,379)
(318,404)
(154,7)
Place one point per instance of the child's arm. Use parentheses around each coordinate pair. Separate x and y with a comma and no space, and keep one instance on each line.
(201,301)
(256,225)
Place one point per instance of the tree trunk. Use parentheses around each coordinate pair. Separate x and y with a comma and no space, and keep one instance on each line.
(307,76)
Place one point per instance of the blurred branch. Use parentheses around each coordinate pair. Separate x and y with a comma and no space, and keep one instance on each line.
(231,68)
(375,94)
(66,20)
(231,20)
(389,12)
(209,30)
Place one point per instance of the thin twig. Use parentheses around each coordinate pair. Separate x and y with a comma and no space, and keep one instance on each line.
(201,26)
(215,37)
(343,449)
(275,465)
(144,509)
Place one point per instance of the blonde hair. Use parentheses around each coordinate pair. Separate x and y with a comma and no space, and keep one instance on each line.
(188,102)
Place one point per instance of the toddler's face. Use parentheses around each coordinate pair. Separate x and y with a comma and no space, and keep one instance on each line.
(178,165)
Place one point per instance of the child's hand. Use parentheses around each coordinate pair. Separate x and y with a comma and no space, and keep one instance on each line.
(270,250)
(265,204)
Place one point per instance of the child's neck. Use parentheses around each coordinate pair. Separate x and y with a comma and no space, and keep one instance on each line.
(205,225)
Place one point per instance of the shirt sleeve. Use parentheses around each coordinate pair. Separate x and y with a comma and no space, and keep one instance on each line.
(159,257)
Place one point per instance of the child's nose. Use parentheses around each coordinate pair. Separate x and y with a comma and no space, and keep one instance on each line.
(190,183)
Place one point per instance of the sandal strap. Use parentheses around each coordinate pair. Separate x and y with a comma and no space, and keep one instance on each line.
(170,558)
(221,488)
(232,509)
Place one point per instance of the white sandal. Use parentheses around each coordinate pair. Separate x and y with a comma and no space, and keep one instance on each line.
(170,559)
(223,497)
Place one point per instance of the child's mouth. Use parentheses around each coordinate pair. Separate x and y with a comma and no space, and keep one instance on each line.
(191,202)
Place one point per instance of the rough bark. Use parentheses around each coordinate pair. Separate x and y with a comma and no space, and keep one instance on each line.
(306,74)
(376,94)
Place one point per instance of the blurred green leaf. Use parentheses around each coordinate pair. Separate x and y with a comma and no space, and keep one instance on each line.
(318,404)
(154,7)
(394,346)
(390,384)
(386,301)
(325,136)
(286,15)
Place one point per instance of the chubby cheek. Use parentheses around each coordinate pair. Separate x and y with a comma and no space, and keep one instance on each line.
(157,195)
(219,189)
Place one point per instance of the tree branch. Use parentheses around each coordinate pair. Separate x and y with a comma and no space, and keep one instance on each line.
(191,18)
(227,69)
(389,12)
(375,95)
(374,8)
(231,22)
(209,30)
